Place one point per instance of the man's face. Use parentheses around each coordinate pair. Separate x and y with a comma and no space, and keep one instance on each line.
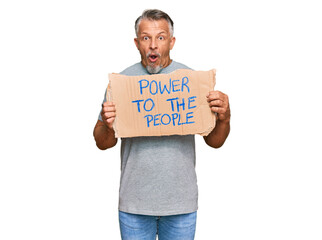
(154,43)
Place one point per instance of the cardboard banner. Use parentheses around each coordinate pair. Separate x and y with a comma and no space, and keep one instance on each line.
(162,104)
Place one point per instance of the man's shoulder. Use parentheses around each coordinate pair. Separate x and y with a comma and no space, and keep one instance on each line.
(135,69)
(178,65)
(174,66)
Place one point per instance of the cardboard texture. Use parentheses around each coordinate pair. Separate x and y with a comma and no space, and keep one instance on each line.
(162,104)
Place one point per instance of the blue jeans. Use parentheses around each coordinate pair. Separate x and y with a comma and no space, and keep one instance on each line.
(144,227)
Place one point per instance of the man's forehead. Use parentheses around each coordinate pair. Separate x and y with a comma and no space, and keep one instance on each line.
(147,26)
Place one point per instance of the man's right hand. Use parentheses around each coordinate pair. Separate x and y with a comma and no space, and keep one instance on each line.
(108,114)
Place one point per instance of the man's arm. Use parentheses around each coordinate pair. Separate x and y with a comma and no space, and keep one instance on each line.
(103,132)
(219,103)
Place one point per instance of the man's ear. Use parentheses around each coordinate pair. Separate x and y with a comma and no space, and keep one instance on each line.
(136,43)
(172,42)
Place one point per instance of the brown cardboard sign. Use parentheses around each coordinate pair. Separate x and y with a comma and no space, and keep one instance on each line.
(162,104)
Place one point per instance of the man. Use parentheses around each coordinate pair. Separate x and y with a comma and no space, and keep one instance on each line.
(158,189)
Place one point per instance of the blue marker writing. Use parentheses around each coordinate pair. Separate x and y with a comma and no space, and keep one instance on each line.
(138,104)
(185,84)
(152,105)
(188,117)
(156,87)
(165,87)
(172,105)
(163,121)
(149,119)
(141,84)
(190,100)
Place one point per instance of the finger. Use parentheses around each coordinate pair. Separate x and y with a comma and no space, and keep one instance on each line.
(105,114)
(223,98)
(216,103)
(108,104)
(104,118)
(108,109)
(110,120)
(108,115)
(214,95)
(219,110)
(210,93)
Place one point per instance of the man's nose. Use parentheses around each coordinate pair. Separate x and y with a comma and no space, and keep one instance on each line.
(153,44)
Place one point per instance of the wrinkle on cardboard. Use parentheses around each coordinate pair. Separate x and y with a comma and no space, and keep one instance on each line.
(162,104)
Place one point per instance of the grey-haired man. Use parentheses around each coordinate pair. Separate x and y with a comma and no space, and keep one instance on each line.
(158,189)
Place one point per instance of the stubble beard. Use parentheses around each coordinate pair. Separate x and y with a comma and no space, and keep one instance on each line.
(151,68)
(154,69)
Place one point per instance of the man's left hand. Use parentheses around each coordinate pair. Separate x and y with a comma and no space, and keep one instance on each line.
(219,103)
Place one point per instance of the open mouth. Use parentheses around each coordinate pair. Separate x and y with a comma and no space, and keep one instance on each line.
(153,57)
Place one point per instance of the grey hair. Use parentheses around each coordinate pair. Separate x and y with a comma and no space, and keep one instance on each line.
(154,14)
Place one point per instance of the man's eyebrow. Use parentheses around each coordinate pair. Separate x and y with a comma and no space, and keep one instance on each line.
(162,32)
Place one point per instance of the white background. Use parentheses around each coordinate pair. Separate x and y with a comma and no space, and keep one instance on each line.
(264,183)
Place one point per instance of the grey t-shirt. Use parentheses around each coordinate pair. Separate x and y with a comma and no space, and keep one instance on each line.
(158,173)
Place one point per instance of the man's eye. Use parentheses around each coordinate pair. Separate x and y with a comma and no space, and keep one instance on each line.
(161,38)
(146,38)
